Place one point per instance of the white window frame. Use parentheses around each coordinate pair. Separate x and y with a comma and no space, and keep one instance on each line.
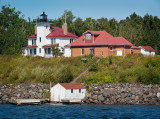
(53,40)
(88,36)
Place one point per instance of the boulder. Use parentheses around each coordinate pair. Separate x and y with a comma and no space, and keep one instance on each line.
(101,98)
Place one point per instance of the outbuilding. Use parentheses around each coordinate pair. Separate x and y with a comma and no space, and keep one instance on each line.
(147,50)
(135,49)
(67,92)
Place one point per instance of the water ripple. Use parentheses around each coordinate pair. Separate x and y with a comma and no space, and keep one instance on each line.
(79,112)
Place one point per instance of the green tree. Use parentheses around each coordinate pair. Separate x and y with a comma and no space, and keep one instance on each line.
(56,51)
(13,31)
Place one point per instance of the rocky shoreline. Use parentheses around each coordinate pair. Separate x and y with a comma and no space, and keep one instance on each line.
(105,94)
(23,91)
(123,94)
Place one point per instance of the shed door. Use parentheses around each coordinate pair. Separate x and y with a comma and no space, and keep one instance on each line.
(119,52)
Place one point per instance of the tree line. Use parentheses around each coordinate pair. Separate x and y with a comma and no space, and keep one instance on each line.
(14,29)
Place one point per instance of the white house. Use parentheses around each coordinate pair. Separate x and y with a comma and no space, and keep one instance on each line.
(71,92)
(147,50)
(46,36)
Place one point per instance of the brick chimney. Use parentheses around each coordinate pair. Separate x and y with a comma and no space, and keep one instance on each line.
(64,27)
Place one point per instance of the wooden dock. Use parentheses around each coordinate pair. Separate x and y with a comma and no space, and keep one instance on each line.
(71,101)
(28,101)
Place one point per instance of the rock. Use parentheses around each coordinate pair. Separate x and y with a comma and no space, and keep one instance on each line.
(136,98)
(106,94)
(158,94)
(94,97)
(18,95)
(101,98)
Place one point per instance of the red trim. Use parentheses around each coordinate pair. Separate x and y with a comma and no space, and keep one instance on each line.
(51,45)
(33,36)
(31,46)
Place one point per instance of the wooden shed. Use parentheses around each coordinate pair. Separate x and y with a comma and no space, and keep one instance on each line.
(67,92)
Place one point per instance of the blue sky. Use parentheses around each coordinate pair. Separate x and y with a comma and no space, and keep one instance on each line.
(118,9)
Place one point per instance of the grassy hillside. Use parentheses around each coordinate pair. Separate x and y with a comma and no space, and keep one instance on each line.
(131,69)
(19,69)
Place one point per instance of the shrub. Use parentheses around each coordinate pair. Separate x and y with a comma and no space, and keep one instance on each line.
(110,60)
(56,51)
(63,74)
(93,68)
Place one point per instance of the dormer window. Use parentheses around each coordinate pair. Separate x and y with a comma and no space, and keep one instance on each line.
(88,36)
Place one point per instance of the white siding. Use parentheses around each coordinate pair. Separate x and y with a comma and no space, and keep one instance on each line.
(147,53)
(58,93)
(29,41)
(43,31)
(67,52)
(75,94)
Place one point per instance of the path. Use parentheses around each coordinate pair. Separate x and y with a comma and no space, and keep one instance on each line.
(81,74)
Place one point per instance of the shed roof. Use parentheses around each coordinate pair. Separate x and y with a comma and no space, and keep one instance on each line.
(149,48)
(72,85)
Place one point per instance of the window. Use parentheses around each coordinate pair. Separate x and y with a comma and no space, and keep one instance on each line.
(35,51)
(33,41)
(88,36)
(49,50)
(53,41)
(39,39)
(71,90)
(91,51)
(82,51)
(71,40)
(39,50)
(111,48)
(79,90)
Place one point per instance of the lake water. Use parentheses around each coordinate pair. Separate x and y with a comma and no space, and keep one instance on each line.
(79,112)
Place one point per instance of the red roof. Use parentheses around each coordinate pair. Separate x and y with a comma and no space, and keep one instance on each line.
(149,48)
(58,32)
(135,47)
(101,38)
(72,85)
(33,36)
(51,45)
(31,46)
